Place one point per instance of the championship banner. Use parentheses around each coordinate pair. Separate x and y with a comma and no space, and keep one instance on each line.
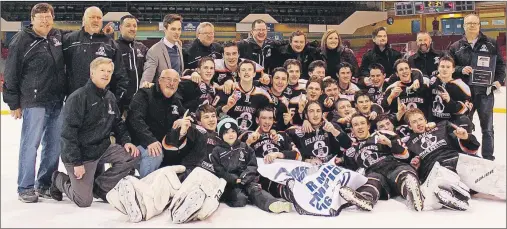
(316,188)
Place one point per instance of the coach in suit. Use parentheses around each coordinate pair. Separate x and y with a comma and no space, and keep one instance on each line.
(167,53)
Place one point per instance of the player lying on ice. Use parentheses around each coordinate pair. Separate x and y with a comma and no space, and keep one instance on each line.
(447,163)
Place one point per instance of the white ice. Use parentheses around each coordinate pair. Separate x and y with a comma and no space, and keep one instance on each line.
(392,213)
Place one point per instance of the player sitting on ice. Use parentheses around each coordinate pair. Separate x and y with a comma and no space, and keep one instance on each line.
(379,155)
(452,147)
(234,161)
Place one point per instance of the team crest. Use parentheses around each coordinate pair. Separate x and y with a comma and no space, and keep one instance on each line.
(175,110)
(139,54)
(110,111)
(437,59)
(56,42)
(268,53)
(221,76)
(101,51)
(484,49)
(241,156)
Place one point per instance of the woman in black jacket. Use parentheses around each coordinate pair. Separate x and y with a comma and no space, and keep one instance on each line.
(333,52)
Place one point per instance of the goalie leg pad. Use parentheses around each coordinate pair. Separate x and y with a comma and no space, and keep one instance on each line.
(482,175)
(113,197)
(127,195)
(190,205)
(450,201)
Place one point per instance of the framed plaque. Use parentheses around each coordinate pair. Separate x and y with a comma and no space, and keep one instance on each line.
(483,65)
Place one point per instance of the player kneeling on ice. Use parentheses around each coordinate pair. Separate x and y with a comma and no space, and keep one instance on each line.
(196,199)
(379,154)
(452,147)
(234,161)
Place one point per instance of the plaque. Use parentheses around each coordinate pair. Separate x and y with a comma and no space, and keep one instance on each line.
(483,65)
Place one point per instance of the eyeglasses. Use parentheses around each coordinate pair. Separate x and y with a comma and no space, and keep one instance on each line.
(472,23)
(260,30)
(47,18)
(208,33)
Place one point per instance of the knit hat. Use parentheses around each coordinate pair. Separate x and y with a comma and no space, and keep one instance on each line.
(225,124)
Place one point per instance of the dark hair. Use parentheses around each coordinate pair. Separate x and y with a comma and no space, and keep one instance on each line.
(382,117)
(122,19)
(447,58)
(341,100)
(280,69)
(258,21)
(310,103)
(344,65)
(268,108)
(412,112)
(399,61)
(327,82)
(206,108)
(203,60)
(314,80)
(359,115)
(170,18)
(292,62)
(295,34)
(42,8)
(316,63)
(361,93)
(377,30)
(377,66)
(228,44)
(247,61)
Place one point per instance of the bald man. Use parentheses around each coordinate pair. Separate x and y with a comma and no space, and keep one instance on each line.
(83,46)
(426,58)
(151,115)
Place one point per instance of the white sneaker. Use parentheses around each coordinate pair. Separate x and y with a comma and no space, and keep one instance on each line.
(280,206)
(189,206)
(127,195)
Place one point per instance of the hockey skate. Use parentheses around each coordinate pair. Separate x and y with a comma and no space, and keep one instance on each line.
(127,196)
(413,193)
(454,200)
(280,206)
(192,203)
(356,198)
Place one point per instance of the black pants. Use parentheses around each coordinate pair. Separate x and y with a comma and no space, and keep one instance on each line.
(385,180)
(239,195)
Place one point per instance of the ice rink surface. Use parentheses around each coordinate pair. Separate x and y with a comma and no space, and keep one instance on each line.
(392,213)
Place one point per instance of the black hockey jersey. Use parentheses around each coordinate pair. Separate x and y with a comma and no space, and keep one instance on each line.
(419,98)
(266,145)
(459,93)
(369,154)
(195,94)
(439,144)
(281,105)
(222,73)
(319,143)
(295,90)
(246,105)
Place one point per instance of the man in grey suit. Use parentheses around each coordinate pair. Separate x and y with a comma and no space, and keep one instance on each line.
(167,53)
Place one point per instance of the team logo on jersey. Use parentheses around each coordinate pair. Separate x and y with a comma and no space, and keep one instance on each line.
(175,110)
(139,54)
(288,91)
(214,56)
(101,51)
(56,42)
(320,149)
(484,49)
(202,87)
(299,132)
(247,98)
(437,59)
(241,156)
(245,121)
(268,53)
(371,91)
(110,111)
(221,76)
(269,148)
(369,158)
(428,141)
(438,105)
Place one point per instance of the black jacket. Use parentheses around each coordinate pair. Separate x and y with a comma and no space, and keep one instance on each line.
(235,162)
(134,55)
(307,56)
(386,58)
(189,151)
(151,115)
(336,56)
(265,55)
(426,62)
(89,116)
(197,50)
(34,72)
(81,48)
(462,53)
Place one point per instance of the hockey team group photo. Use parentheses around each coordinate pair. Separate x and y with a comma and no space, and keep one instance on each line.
(253,114)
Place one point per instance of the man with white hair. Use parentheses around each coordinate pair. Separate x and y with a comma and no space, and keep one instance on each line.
(202,46)
(81,47)
(89,116)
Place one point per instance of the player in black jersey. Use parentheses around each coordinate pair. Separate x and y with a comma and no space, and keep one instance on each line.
(280,101)
(195,94)
(324,142)
(375,85)
(298,104)
(297,86)
(244,100)
(366,107)
(378,154)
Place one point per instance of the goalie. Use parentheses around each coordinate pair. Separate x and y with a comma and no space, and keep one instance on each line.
(196,199)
